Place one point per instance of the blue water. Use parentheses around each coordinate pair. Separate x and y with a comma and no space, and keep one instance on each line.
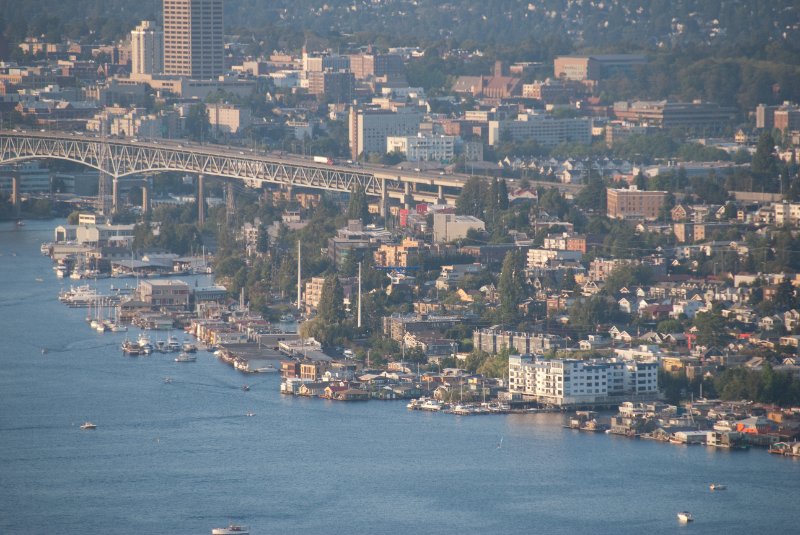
(184,457)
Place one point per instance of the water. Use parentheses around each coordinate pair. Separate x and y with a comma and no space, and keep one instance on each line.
(184,457)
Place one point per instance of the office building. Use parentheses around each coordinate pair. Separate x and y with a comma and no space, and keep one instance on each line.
(449,227)
(633,203)
(336,86)
(596,67)
(147,49)
(193,38)
(423,148)
(370,128)
(32,178)
(545,130)
(665,114)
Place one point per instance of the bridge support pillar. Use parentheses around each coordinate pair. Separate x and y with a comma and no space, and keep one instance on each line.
(114,194)
(440,195)
(407,195)
(383,203)
(201,202)
(145,196)
(15,193)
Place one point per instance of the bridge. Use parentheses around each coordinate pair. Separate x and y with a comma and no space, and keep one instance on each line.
(123,157)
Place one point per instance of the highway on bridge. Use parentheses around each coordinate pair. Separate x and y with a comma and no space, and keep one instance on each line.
(121,157)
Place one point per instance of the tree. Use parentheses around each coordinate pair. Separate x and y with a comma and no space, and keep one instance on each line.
(710,328)
(358,207)
(511,287)
(262,246)
(197,123)
(764,166)
(472,200)
(330,310)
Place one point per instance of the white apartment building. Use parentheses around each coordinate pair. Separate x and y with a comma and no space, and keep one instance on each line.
(787,213)
(545,130)
(147,49)
(369,129)
(227,118)
(565,382)
(124,122)
(423,148)
(539,258)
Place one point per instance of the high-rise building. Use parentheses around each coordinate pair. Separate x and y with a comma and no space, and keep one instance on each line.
(147,49)
(193,38)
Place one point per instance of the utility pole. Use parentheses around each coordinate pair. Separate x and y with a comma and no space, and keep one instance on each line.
(359,295)
(299,256)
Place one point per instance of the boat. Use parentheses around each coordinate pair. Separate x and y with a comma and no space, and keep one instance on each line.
(685,517)
(145,344)
(249,414)
(189,347)
(167,380)
(717,486)
(173,345)
(130,348)
(269,368)
(88,425)
(161,346)
(39,279)
(45,248)
(245,388)
(185,357)
(232,529)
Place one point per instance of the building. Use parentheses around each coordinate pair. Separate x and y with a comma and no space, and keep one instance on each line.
(568,382)
(336,86)
(365,66)
(194,45)
(550,90)
(167,294)
(370,128)
(545,130)
(633,203)
(449,227)
(423,147)
(596,67)
(31,177)
(400,255)
(227,118)
(493,339)
(665,114)
(147,49)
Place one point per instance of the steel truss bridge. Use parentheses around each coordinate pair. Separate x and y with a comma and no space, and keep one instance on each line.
(119,158)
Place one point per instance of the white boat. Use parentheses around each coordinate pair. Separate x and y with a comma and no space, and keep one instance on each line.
(88,425)
(144,344)
(251,414)
(185,357)
(189,347)
(685,517)
(717,486)
(232,529)
(269,368)
(167,380)
(173,345)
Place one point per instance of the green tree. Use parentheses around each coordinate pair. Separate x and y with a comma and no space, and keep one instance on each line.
(472,200)
(197,123)
(330,310)
(710,328)
(764,166)
(358,207)
(511,287)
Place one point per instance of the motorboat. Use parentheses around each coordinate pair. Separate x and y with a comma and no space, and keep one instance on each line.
(685,517)
(173,345)
(167,380)
(145,344)
(232,529)
(185,357)
(161,346)
(130,348)
(249,414)
(269,368)
(717,486)
(245,388)
(88,425)
(189,347)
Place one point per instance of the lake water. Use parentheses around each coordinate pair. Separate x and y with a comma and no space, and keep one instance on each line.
(184,457)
